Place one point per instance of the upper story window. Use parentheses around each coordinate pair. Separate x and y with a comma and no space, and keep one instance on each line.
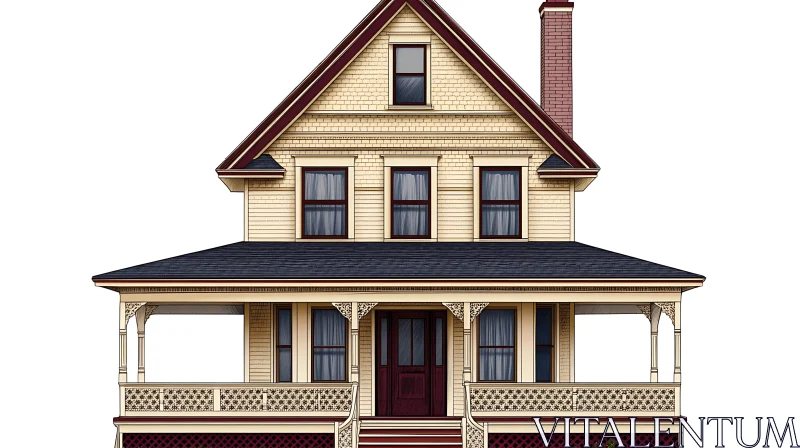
(324,203)
(410,65)
(411,203)
(501,203)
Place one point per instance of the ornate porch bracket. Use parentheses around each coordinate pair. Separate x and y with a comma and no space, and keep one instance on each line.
(346,308)
(131,308)
(458,310)
(364,309)
(475,309)
(669,309)
(645,309)
(148,311)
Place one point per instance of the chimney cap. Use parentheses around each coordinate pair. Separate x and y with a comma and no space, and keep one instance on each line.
(556,5)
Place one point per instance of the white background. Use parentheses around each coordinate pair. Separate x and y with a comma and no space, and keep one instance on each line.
(115,114)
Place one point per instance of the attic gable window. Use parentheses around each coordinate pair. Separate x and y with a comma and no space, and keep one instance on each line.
(410,75)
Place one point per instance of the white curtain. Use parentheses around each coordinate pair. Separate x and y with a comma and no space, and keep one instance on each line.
(500,219)
(325,219)
(496,342)
(411,219)
(330,333)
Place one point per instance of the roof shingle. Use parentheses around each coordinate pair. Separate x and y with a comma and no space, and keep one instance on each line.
(399,260)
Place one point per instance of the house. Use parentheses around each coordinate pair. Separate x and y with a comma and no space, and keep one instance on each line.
(409,274)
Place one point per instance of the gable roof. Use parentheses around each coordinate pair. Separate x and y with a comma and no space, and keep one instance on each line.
(455,37)
(554,162)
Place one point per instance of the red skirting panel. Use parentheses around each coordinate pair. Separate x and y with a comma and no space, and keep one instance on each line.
(535,440)
(140,440)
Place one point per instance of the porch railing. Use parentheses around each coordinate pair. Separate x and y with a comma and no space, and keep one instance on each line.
(574,399)
(256,399)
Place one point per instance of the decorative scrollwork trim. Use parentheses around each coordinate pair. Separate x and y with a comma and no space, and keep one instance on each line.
(475,309)
(346,308)
(457,309)
(364,309)
(131,308)
(645,309)
(669,309)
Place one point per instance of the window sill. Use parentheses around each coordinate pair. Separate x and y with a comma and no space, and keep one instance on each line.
(500,240)
(324,240)
(409,240)
(425,107)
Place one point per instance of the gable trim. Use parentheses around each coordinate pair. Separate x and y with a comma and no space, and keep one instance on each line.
(452,35)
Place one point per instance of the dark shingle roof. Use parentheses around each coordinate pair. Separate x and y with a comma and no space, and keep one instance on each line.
(398,260)
(553,162)
(264,162)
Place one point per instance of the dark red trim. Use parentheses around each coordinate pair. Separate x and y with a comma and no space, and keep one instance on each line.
(249,173)
(451,32)
(228,419)
(372,418)
(556,5)
(617,419)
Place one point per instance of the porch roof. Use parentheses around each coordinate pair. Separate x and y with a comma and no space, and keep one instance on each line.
(400,261)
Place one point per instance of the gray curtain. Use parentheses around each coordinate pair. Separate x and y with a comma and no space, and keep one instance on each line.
(330,334)
(411,219)
(496,342)
(500,219)
(325,219)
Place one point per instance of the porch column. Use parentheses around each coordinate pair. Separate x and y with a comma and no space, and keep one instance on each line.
(140,321)
(354,372)
(123,344)
(467,374)
(655,315)
(677,375)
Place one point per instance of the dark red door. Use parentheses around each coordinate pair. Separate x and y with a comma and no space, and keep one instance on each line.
(411,373)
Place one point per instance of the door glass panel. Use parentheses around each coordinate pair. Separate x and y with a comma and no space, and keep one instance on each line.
(384,341)
(419,342)
(404,342)
(439,341)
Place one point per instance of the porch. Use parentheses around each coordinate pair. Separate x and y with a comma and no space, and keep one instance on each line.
(305,403)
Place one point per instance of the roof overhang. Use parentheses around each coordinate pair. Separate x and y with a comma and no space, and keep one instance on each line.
(582,177)
(235,179)
(682,283)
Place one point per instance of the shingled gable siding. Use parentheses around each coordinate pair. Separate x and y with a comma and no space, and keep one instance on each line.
(364,87)
(260,342)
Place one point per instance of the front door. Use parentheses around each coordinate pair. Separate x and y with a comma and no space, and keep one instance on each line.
(410,363)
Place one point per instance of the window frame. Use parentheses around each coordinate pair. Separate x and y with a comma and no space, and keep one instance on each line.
(345,346)
(478,347)
(304,202)
(393,202)
(482,202)
(279,346)
(552,346)
(424,74)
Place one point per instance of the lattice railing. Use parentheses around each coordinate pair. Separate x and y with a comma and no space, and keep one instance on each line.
(557,399)
(238,399)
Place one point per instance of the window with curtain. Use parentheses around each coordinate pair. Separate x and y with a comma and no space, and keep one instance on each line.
(329,354)
(545,347)
(283,330)
(409,75)
(496,348)
(325,203)
(411,203)
(501,203)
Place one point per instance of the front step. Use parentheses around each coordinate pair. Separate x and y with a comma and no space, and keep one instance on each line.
(409,433)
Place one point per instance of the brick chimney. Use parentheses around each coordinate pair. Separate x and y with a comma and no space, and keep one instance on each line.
(557,61)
